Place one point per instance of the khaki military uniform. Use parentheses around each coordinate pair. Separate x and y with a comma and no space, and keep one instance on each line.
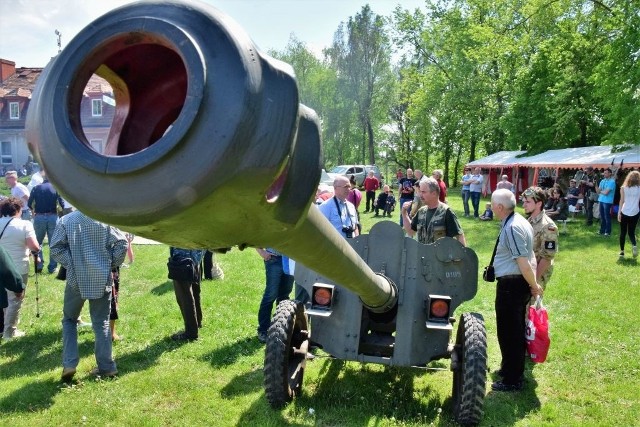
(545,242)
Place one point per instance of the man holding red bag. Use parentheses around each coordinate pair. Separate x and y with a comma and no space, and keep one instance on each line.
(514,266)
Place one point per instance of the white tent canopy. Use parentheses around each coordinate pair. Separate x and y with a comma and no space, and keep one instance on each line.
(499,159)
(575,158)
(525,170)
(572,158)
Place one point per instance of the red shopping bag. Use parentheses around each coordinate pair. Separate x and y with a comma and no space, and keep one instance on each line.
(537,332)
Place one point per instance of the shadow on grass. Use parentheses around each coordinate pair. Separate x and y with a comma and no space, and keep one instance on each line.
(243,384)
(351,394)
(229,354)
(163,288)
(627,262)
(32,397)
(147,356)
(25,361)
(507,408)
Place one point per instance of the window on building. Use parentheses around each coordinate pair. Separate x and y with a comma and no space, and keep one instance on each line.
(14,110)
(5,153)
(96,107)
(97,145)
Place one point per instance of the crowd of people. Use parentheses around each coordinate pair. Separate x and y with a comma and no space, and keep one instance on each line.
(91,252)
(88,255)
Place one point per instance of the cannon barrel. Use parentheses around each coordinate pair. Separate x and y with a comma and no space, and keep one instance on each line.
(208,146)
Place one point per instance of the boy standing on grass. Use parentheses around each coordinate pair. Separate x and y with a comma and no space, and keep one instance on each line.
(545,233)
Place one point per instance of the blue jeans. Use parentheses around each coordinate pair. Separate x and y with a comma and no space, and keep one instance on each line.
(402,202)
(605,218)
(277,289)
(99,310)
(475,201)
(466,195)
(45,224)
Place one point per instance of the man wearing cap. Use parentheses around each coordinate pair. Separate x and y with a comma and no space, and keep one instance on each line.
(588,186)
(545,233)
(19,191)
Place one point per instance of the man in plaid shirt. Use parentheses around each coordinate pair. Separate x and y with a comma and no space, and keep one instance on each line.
(88,250)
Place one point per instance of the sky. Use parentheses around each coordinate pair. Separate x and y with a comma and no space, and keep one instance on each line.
(28,27)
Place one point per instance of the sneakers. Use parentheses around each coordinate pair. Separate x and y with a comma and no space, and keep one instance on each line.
(98,373)
(634,251)
(216,273)
(16,334)
(500,386)
(621,254)
(262,337)
(67,374)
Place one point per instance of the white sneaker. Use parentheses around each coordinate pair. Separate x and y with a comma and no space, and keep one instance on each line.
(217,273)
(16,334)
(621,254)
(634,250)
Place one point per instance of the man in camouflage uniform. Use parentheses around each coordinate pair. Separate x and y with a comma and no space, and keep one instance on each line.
(435,219)
(545,233)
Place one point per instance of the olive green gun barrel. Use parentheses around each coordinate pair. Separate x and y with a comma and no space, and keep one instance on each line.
(208,147)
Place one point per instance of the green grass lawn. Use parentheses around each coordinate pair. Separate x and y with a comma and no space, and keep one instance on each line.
(591,377)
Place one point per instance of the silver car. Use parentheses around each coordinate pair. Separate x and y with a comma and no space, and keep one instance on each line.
(360,172)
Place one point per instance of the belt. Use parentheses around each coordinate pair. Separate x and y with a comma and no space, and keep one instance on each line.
(511,276)
(46,213)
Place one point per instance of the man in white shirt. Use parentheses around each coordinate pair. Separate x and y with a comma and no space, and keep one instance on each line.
(475,190)
(19,191)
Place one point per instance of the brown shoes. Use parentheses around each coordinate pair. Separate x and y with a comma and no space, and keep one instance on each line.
(67,374)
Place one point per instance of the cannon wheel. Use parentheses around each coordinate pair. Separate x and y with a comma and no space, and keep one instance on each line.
(286,353)
(469,365)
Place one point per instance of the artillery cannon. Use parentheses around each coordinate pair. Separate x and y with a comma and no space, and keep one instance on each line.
(209,147)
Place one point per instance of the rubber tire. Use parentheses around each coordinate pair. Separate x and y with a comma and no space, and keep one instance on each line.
(470,375)
(284,369)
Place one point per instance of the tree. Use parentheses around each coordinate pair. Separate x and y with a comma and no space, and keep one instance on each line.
(361,54)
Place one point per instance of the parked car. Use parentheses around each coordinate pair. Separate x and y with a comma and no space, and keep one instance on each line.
(359,171)
(326,178)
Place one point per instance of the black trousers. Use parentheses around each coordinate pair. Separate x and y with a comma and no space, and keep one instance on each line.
(188,298)
(512,297)
(371,198)
(588,207)
(208,264)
